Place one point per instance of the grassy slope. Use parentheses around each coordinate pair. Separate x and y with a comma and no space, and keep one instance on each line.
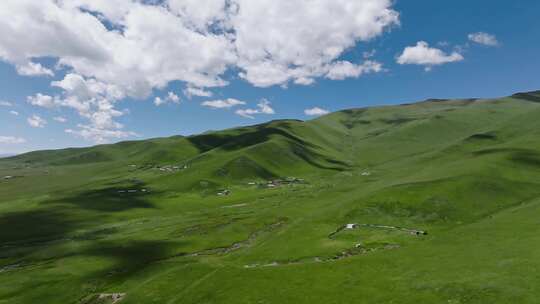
(464,170)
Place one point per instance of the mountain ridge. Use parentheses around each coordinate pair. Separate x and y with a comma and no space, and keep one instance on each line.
(533,96)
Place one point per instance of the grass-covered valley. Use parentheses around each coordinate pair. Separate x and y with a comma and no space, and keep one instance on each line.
(444,196)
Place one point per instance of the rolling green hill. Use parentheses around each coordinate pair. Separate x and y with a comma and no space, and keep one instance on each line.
(445,195)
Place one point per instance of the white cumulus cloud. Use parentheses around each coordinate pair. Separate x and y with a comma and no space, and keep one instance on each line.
(263,107)
(4,103)
(280,41)
(60,119)
(484,38)
(345,69)
(14,113)
(171,97)
(159,101)
(115,49)
(33,69)
(36,121)
(423,54)
(315,111)
(191,91)
(42,100)
(92,99)
(141,45)
(223,103)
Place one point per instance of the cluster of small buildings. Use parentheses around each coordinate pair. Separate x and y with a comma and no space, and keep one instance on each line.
(224,192)
(286,181)
(170,168)
(351,226)
(278,182)
(113,297)
(165,168)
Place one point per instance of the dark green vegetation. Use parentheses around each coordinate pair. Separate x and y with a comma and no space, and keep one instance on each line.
(465,171)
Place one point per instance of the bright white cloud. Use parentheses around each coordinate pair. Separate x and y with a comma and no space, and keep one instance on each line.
(263,107)
(191,91)
(128,48)
(92,99)
(423,54)
(316,111)
(223,103)
(199,14)
(171,97)
(60,119)
(33,69)
(14,113)
(345,69)
(158,101)
(36,121)
(279,41)
(147,44)
(5,103)
(12,140)
(484,38)
(99,135)
(41,100)
(85,89)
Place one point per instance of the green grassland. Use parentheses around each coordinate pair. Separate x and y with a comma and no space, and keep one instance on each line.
(144,219)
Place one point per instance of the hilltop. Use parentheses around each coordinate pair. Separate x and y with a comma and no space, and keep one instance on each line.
(429,202)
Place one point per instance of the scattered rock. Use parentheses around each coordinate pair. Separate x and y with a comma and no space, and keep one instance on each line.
(224,192)
(114,297)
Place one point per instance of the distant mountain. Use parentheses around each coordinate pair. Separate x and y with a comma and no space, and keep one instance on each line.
(283,147)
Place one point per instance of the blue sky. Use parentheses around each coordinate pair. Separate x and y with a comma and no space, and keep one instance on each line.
(482,68)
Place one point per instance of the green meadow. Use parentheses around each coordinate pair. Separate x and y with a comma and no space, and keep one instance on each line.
(445,195)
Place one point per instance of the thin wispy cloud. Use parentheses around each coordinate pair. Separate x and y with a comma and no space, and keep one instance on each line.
(222,103)
(12,140)
(60,119)
(484,38)
(315,111)
(191,91)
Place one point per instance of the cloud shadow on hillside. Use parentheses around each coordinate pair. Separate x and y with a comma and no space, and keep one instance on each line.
(110,199)
(263,133)
(249,137)
(34,226)
(131,257)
